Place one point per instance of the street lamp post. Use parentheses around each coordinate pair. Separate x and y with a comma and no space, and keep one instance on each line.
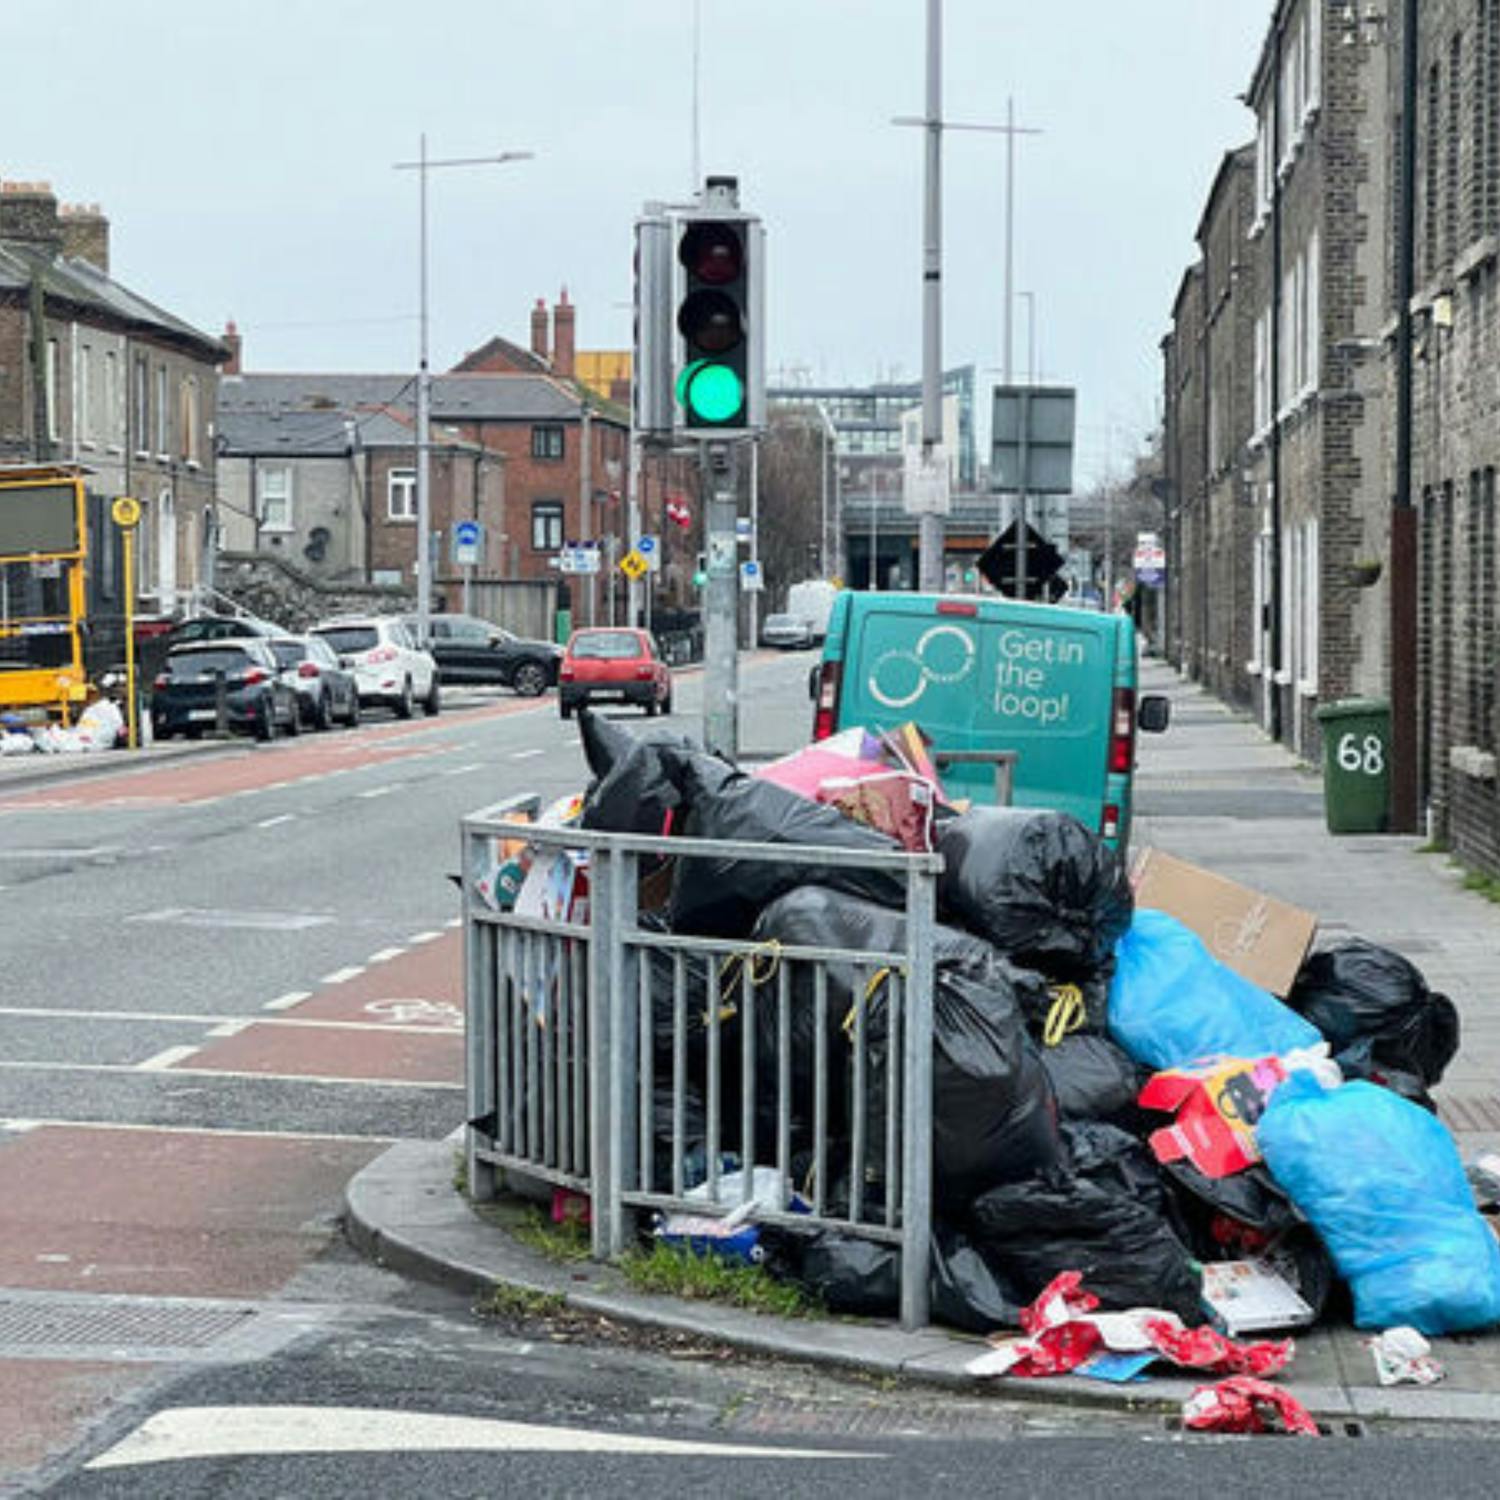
(424,375)
(830,460)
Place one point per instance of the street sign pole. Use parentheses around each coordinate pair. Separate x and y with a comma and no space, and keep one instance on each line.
(1021,518)
(721,599)
(126,512)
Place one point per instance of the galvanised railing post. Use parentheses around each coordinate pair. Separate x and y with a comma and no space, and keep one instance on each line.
(916,1196)
(480,1042)
(624,1023)
(604,1198)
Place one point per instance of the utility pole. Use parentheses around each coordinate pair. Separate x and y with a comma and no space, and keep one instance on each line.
(422,166)
(930,530)
(721,664)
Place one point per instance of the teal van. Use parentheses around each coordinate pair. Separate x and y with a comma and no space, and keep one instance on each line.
(1055,686)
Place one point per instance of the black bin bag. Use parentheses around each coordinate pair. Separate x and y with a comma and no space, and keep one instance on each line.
(1094,1079)
(713,897)
(1104,1214)
(1359,992)
(1039,885)
(633,790)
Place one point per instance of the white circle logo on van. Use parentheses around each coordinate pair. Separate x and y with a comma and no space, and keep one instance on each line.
(944,654)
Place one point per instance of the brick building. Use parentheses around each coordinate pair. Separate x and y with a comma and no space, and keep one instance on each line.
(92,374)
(1456,409)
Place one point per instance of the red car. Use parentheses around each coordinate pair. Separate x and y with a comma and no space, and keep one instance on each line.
(613,662)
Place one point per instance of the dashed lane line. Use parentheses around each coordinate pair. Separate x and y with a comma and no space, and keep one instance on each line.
(278,819)
(527,754)
(385,955)
(23,1127)
(164,1060)
(422,937)
(225,1025)
(343,976)
(287,1001)
(377,791)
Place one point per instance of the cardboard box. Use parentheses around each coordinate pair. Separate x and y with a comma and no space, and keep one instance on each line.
(1263,939)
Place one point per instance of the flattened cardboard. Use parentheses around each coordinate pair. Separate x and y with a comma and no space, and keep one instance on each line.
(1263,939)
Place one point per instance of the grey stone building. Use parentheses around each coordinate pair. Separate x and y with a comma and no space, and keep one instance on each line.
(92,374)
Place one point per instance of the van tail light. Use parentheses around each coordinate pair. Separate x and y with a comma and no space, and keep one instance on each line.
(308,669)
(1109,824)
(380,654)
(253,676)
(826,715)
(1122,733)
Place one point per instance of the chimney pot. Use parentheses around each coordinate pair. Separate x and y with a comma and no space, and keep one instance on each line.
(564,341)
(539,329)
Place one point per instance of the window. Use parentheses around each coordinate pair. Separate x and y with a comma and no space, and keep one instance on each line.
(1430,200)
(1308,598)
(114,400)
(1484,669)
(1265,166)
(1452,186)
(140,421)
(1263,371)
(274,496)
(85,423)
(547,442)
(187,394)
(163,416)
(547,526)
(401,495)
(52,428)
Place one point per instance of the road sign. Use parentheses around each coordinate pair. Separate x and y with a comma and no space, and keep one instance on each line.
(577,557)
(1033,439)
(650,549)
(742,530)
(752,580)
(633,565)
(1043,562)
(1150,561)
(468,539)
(925,485)
(126,511)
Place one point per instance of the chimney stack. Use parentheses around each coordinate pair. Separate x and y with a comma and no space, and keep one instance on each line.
(539,328)
(563,337)
(28,213)
(85,234)
(232,341)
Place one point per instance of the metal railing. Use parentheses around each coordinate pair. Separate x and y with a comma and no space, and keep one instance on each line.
(610,1056)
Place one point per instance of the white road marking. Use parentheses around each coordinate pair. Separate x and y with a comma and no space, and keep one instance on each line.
(423,937)
(287,1001)
(343,976)
(526,754)
(163,1060)
(454,922)
(11,1065)
(184,1433)
(385,955)
(20,1127)
(88,852)
(226,1025)
(378,791)
(572,743)
(260,921)
(441,1015)
(464,770)
(279,818)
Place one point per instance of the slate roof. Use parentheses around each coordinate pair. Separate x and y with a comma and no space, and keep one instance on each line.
(519,398)
(82,285)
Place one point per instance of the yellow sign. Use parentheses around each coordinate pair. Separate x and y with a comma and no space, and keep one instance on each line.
(125,511)
(633,565)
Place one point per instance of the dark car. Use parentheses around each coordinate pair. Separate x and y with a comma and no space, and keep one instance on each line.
(256,699)
(218,628)
(473,650)
(326,692)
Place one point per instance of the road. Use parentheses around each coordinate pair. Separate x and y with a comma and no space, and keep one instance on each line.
(228,983)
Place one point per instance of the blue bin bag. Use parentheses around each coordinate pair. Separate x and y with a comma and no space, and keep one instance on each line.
(1172,1002)
(1381,1181)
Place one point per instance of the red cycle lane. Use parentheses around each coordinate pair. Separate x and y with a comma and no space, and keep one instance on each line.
(102,1208)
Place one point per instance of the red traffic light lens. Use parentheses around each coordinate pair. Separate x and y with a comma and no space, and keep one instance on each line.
(712,252)
(710,322)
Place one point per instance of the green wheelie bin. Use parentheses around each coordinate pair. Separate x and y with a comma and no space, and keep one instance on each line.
(1356,764)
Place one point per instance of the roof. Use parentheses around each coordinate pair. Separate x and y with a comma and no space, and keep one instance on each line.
(83,285)
(517,398)
(526,361)
(321,433)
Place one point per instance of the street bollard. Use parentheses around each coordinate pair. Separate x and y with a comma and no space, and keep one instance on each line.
(221,703)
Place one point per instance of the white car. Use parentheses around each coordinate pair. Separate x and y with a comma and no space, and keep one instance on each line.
(790,632)
(389,667)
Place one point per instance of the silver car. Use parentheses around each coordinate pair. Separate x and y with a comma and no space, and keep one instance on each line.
(789,632)
(389,667)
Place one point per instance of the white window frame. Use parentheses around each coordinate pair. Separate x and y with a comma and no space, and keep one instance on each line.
(1312,331)
(114,402)
(140,412)
(1260,596)
(84,396)
(548,511)
(190,414)
(402,483)
(53,355)
(1309,608)
(163,417)
(273,498)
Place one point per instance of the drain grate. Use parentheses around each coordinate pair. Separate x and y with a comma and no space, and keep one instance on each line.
(39,1325)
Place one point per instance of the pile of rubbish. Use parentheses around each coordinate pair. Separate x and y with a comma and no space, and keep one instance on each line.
(101,726)
(1160,1122)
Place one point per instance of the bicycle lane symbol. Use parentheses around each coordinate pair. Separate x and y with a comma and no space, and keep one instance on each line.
(439,1015)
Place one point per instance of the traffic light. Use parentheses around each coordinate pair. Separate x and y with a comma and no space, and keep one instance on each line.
(720,385)
(651,365)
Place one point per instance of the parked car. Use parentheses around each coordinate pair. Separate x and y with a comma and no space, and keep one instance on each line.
(617,664)
(389,667)
(789,632)
(184,696)
(218,628)
(326,692)
(473,650)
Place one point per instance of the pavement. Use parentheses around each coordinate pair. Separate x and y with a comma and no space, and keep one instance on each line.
(1214,790)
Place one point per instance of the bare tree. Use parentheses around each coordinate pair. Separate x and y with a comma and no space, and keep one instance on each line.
(791,490)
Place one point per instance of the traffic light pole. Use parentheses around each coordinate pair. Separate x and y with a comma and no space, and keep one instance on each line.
(721,685)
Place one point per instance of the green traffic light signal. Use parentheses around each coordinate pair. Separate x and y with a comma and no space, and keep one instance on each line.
(711,392)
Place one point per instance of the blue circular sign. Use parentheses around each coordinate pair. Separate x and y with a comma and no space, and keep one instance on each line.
(467,533)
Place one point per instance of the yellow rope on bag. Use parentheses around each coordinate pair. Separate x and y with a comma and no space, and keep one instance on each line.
(764,961)
(877,979)
(1066,1014)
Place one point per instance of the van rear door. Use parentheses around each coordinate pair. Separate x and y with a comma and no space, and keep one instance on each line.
(991,674)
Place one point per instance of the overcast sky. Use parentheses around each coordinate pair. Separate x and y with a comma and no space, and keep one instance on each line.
(243,152)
